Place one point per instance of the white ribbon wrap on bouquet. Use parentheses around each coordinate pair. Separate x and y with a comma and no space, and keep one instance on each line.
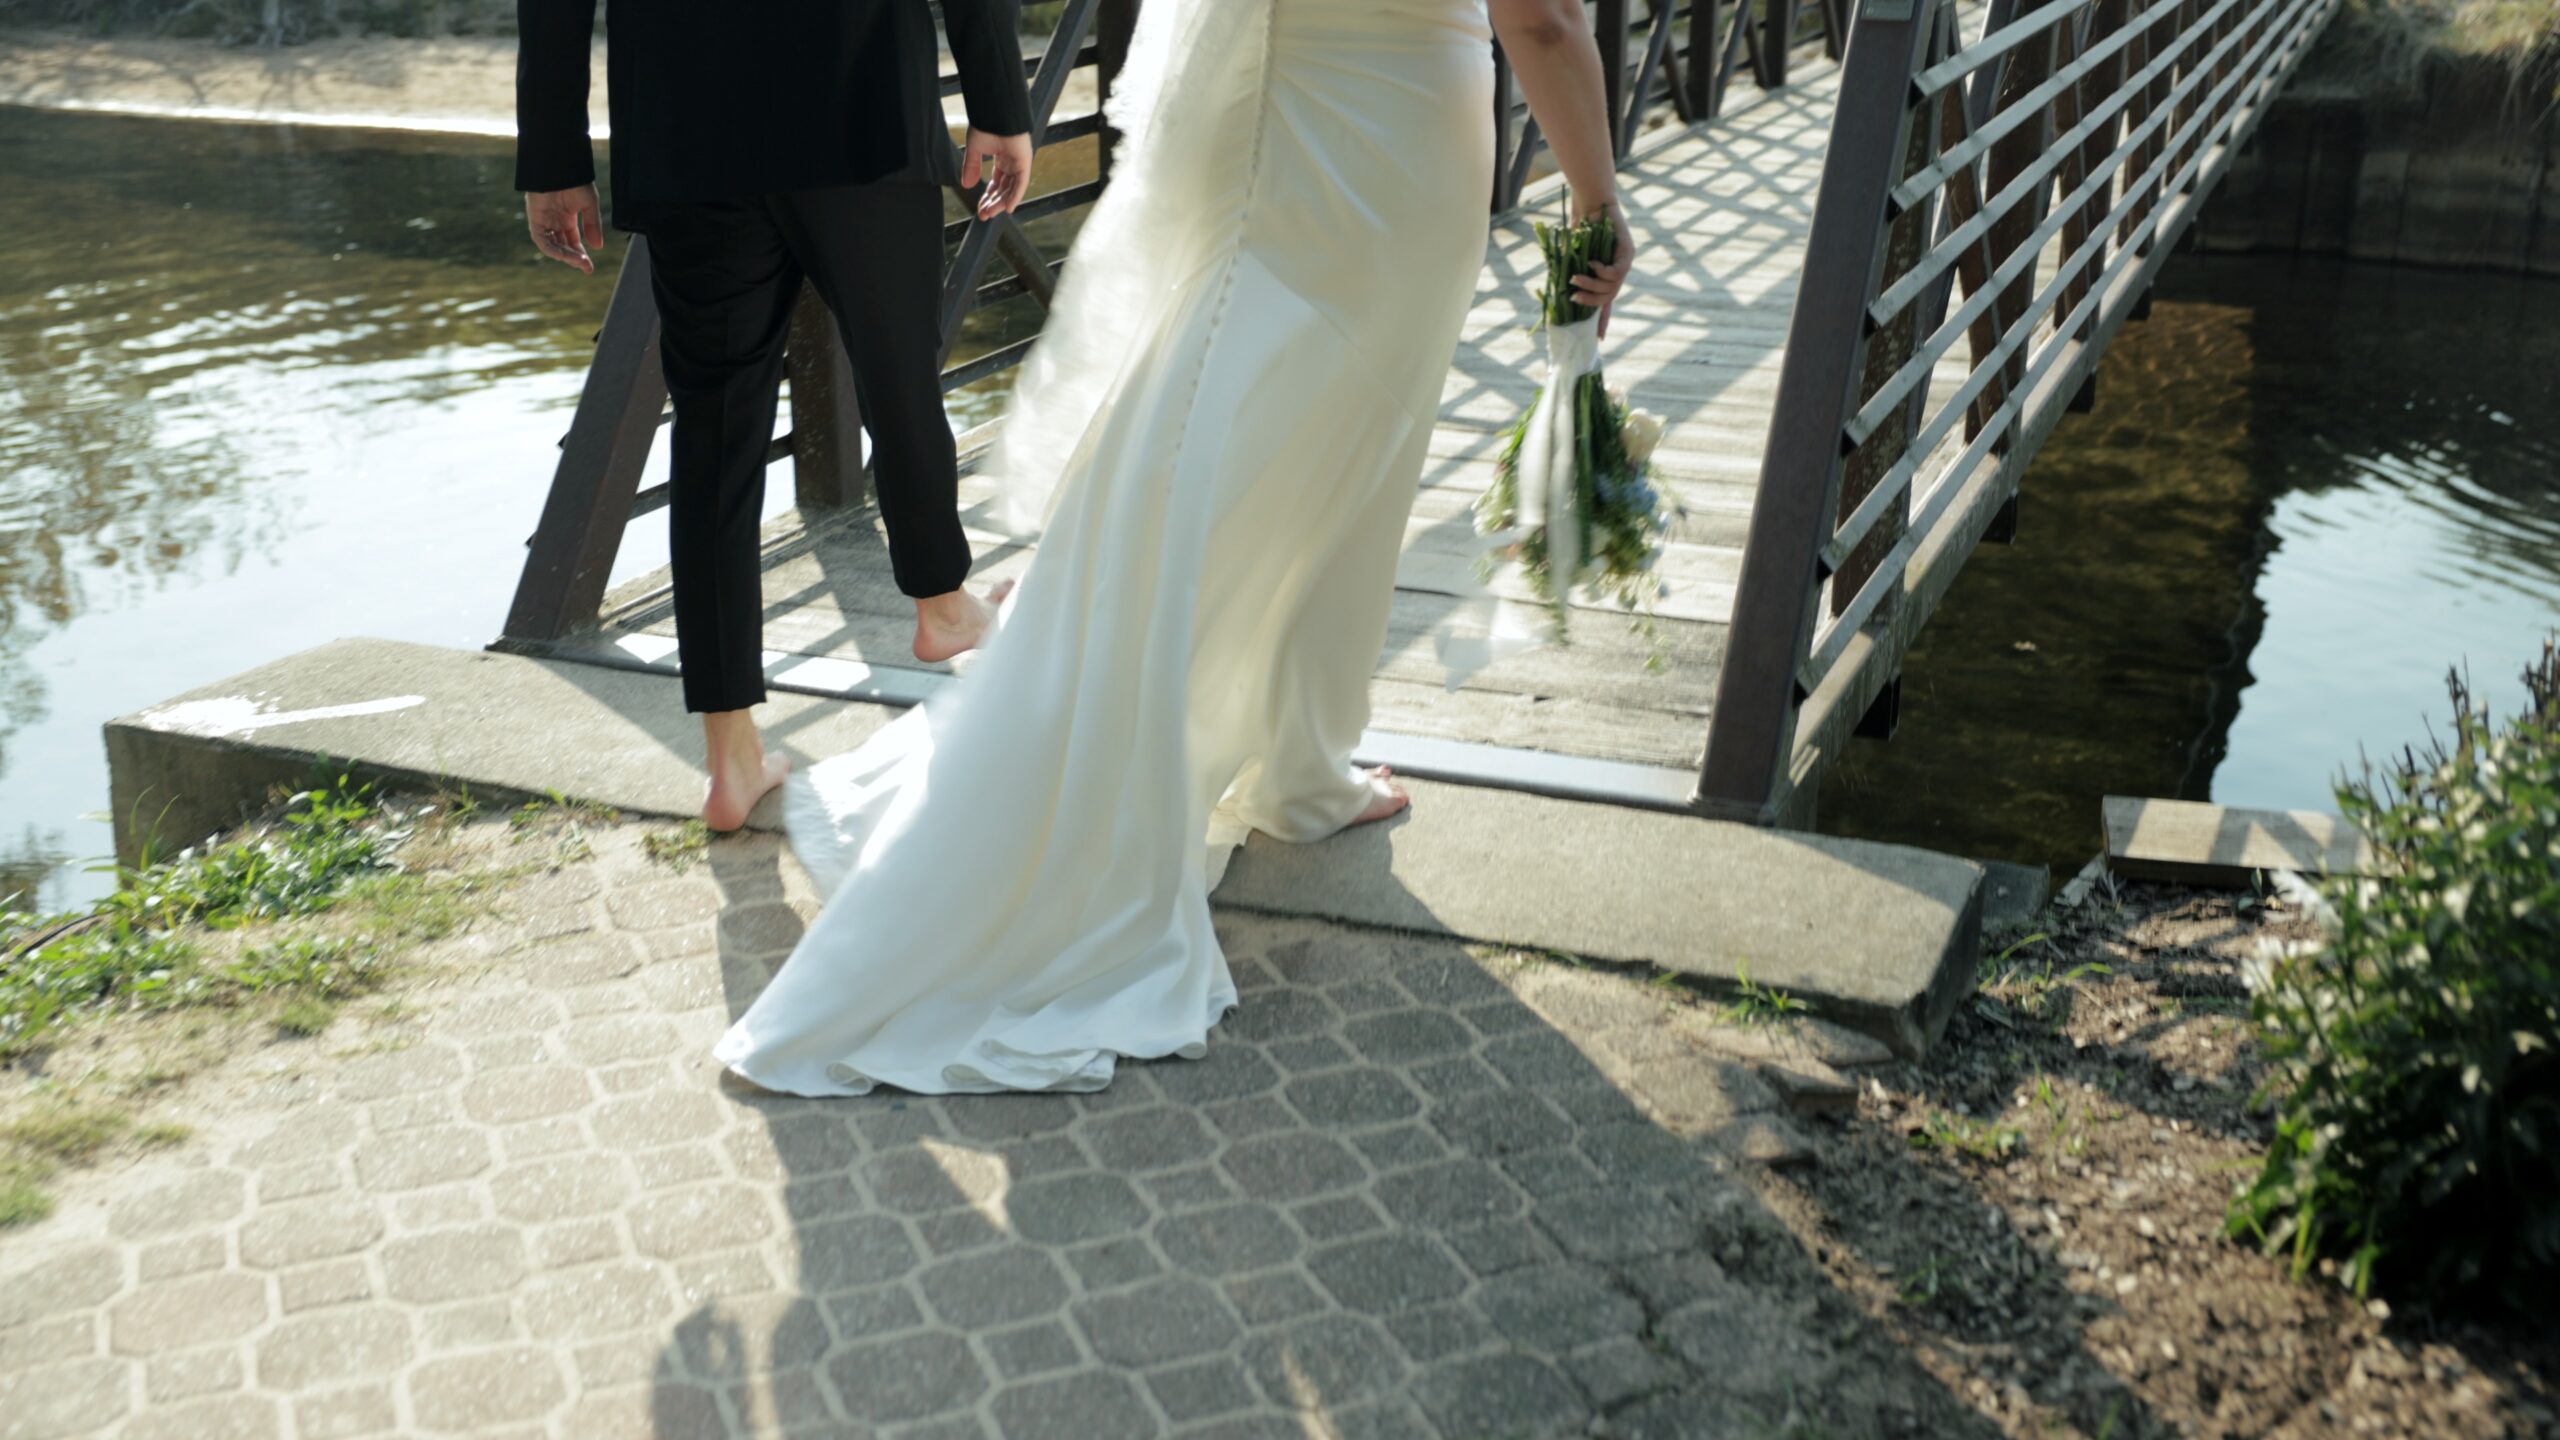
(1544,478)
(1485,629)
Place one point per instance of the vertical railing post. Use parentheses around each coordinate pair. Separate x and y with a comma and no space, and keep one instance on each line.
(826,410)
(982,239)
(1658,56)
(1751,729)
(572,553)
(2099,85)
(2024,71)
(1611,28)
(1888,349)
(1706,60)
(1506,142)
(1779,38)
(1112,28)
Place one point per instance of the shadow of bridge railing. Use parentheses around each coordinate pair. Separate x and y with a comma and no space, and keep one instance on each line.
(1406,1193)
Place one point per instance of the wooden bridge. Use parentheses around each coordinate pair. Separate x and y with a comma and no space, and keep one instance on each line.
(1883,255)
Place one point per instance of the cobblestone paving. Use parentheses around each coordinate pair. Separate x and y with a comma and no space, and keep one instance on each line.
(1408,1193)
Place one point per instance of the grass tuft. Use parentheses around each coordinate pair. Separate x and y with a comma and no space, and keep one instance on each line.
(680,847)
(68,1133)
(1973,1139)
(317,889)
(2506,51)
(1757,1004)
(23,1200)
(305,1016)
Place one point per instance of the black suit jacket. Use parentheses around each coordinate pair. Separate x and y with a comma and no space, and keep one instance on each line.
(714,100)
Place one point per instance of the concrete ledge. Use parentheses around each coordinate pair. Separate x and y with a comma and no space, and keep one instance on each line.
(509,727)
(1879,937)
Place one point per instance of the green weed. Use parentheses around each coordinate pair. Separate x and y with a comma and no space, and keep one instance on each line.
(23,1200)
(1756,1004)
(1973,1139)
(329,851)
(321,968)
(1926,1285)
(677,848)
(68,1133)
(305,1015)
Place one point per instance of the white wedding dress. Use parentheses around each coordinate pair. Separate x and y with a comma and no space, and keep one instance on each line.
(1224,428)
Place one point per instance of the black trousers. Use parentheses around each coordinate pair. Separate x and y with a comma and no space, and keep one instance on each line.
(726,275)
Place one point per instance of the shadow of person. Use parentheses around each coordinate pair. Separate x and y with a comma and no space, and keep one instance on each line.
(1407,1192)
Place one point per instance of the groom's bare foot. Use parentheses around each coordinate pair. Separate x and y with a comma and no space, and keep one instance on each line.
(741,771)
(1386,798)
(954,624)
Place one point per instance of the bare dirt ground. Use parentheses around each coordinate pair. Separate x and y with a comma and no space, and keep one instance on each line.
(2036,1212)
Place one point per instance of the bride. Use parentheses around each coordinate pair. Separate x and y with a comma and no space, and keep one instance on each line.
(1223,431)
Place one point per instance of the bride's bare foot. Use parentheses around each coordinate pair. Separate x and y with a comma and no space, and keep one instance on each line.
(954,624)
(741,771)
(1386,797)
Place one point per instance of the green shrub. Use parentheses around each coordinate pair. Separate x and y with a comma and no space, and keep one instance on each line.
(2416,1086)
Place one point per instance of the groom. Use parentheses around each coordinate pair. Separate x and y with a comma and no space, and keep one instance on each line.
(756,146)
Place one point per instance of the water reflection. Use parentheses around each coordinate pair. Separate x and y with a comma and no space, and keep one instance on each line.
(184,305)
(24,865)
(263,387)
(2307,488)
(257,387)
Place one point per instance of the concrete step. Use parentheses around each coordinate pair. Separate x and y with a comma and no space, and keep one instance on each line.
(1881,938)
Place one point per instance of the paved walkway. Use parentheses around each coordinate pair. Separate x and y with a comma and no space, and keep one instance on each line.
(1408,1193)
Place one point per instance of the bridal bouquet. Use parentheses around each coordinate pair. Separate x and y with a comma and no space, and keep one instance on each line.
(1572,499)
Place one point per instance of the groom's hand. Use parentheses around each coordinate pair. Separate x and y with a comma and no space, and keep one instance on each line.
(1005,162)
(567,225)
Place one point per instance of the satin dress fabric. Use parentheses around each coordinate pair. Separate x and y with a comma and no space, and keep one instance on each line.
(1224,432)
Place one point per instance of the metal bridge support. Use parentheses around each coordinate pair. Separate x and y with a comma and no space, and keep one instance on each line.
(1883,714)
(2003,529)
(1752,739)
(826,411)
(592,489)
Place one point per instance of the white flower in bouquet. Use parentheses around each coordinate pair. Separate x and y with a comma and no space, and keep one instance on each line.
(1640,434)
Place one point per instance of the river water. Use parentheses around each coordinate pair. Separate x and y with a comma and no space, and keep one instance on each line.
(261,388)
(2309,488)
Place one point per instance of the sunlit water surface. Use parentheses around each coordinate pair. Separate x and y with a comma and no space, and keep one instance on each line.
(261,388)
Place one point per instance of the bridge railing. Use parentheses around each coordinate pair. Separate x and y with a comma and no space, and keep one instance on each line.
(1654,51)
(2013,196)
(1658,58)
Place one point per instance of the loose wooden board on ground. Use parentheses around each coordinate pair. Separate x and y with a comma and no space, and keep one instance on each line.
(2201,844)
